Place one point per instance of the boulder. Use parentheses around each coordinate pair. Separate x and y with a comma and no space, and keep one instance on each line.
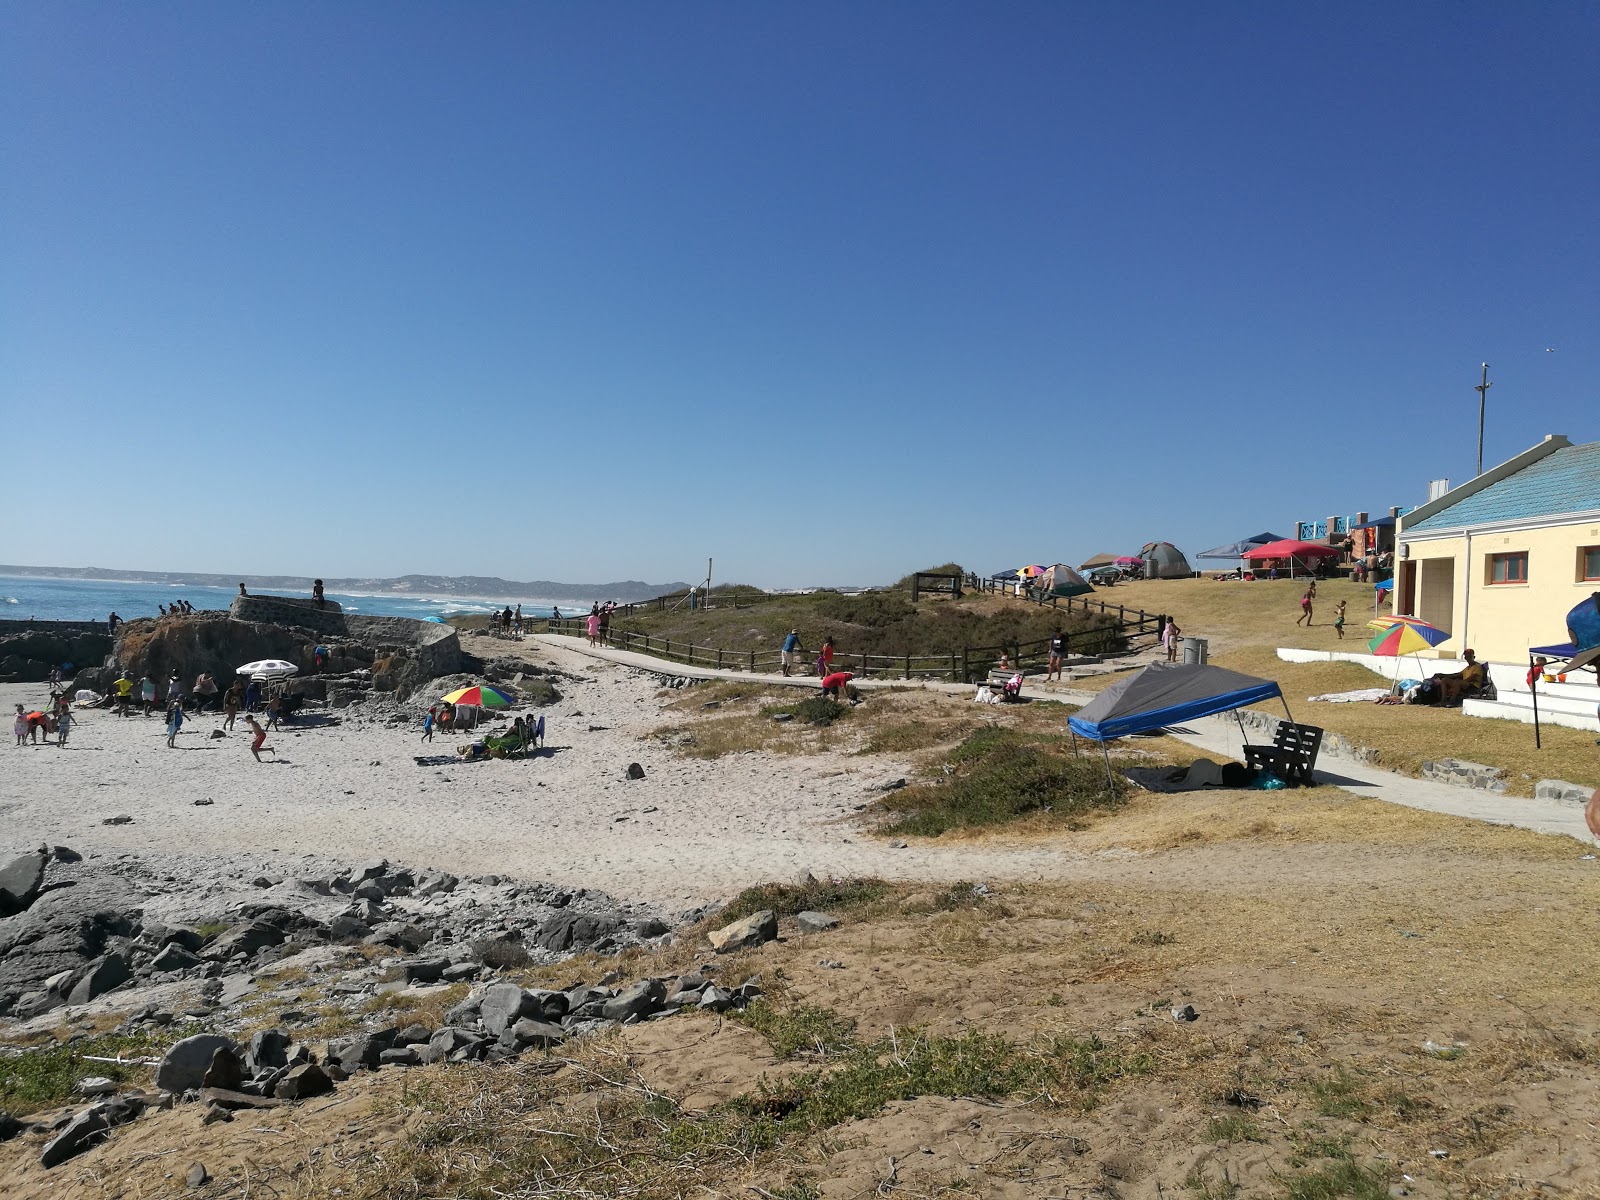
(642,999)
(86,1129)
(62,931)
(651,927)
(303,1082)
(502,1005)
(528,1032)
(269,1050)
(400,1056)
(226,1070)
(100,977)
(190,939)
(174,957)
(461,971)
(10,1127)
(185,1063)
(454,1045)
(569,930)
(21,879)
(815,922)
(424,970)
(246,939)
(635,771)
(360,1050)
(230,1099)
(748,931)
(715,999)
(413,1035)
(431,883)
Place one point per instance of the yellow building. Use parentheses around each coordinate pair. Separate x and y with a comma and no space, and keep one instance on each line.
(1502,559)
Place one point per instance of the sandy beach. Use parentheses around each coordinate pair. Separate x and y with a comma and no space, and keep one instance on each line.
(692,830)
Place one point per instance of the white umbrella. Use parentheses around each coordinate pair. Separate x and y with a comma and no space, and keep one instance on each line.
(268,668)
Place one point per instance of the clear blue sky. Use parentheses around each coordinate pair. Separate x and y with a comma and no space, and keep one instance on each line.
(827,291)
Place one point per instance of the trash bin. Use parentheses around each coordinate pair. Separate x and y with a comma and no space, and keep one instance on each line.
(1195,650)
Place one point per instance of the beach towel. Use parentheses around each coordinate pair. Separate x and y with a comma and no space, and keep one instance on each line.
(1358,696)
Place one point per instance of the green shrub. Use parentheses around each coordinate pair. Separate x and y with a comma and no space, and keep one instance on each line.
(45,1077)
(786,899)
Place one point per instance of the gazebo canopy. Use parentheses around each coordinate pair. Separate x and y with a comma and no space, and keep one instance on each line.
(1165,694)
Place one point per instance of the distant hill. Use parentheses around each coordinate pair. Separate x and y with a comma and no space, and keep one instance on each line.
(487,587)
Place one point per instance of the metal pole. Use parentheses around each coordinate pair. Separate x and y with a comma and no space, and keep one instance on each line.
(1483,390)
(1111,781)
(1533,687)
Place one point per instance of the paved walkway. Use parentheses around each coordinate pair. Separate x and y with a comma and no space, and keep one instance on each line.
(1218,736)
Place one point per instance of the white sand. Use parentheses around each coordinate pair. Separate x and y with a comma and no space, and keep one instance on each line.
(570,818)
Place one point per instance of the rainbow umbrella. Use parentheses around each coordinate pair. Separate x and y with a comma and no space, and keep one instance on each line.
(1031,571)
(483,696)
(1405,636)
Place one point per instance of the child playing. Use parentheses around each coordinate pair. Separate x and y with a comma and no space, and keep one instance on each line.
(1338,619)
(427,726)
(63,726)
(21,727)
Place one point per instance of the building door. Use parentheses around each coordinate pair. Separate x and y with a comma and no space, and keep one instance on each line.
(1437,598)
(1406,597)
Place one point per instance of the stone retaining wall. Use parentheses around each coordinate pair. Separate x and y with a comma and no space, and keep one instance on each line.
(63,627)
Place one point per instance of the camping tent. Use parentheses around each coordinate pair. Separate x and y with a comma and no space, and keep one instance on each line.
(1062,580)
(1099,560)
(1164,694)
(1240,548)
(1163,560)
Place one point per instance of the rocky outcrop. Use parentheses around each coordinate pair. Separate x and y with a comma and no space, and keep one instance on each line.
(28,653)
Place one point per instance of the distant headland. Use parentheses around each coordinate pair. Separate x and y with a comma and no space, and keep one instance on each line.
(484,587)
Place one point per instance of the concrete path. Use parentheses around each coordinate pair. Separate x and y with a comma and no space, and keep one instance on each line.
(1218,736)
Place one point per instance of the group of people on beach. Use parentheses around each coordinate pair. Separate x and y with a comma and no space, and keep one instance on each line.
(598,624)
(792,647)
(39,724)
(1308,600)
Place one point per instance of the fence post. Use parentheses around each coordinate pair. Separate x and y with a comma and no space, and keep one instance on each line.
(908,666)
(719,658)
(752,662)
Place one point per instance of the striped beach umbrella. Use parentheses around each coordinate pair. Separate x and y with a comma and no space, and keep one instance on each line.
(1409,636)
(481,695)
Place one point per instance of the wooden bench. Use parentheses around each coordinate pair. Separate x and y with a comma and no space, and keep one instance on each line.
(1292,755)
(998,679)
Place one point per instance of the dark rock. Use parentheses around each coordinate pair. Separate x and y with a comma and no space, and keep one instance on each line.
(303,1082)
(185,1063)
(215,1113)
(413,1035)
(10,1127)
(815,922)
(21,879)
(465,1013)
(245,939)
(635,771)
(230,1099)
(123,820)
(360,1050)
(62,930)
(100,977)
(715,999)
(226,1070)
(335,1072)
(346,928)
(424,970)
(527,1032)
(502,1005)
(651,927)
(197,1176)
(450,1042)
(568,930)
(400,935)
(692,982)
(460,972)
(85,1130)
(174,958)
(749,931)
(642,999)
(65,854)
(547,1006)
(436,883)
(189,939)
(269,1051)
(400,1056)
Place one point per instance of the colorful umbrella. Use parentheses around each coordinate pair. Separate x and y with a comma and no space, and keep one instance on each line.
(1410,636)
(1129,560)
(1031,571)
(483,696)
(1389,622)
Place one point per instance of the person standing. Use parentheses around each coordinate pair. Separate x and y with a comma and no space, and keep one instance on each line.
(111,624)
(147,693)
(257,744)
(124,687)
(1058,649)
(174,690)
(230,703)
(64,721)
(516,622)
(1338,619)
(1305,609)
(1169,639)
(174,723)
(593,625)
(825,657)
(787,652)
(205,691)
(316,594)
(20,728)
(275,713)
(427,724)
(252,695)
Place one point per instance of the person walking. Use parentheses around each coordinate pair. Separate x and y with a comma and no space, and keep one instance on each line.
(787,652)
(1170,633)
(64,720)
(825,657)
(174,691)
(205,691)
(516,622)
(231,702)
(111,624)
(1338,619)
(275,713)
(427,724)
(1058,649)
(124,687)
(593,626)
(147,693)
(174,723)
(1305,609)
(257,744)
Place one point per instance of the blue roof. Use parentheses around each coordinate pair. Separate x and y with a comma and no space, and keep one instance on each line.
(1567,480)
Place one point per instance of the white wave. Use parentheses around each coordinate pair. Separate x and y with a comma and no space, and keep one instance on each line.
(12,600)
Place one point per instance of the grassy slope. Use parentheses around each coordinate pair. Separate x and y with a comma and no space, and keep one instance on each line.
(1247,622)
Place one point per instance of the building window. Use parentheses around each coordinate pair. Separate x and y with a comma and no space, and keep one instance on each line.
(1588,564)
(1509,568)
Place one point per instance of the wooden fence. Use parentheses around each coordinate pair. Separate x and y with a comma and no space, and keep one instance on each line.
(961,666)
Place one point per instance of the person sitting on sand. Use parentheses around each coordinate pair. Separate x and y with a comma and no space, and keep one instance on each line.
(833,684)
(257,745)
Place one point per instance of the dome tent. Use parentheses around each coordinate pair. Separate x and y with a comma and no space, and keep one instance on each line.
(1062,580)
(1163,560)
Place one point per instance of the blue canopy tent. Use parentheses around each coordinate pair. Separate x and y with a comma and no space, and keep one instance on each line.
(1239,548)
(1166,694)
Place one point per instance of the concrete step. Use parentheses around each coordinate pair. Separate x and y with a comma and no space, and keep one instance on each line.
(1519,707)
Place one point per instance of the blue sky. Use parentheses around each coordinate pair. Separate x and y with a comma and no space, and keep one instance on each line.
(827,291)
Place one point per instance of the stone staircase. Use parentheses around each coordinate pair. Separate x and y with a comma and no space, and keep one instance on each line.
(1574,705)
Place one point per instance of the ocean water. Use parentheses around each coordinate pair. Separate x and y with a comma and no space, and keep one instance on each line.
(22,597)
